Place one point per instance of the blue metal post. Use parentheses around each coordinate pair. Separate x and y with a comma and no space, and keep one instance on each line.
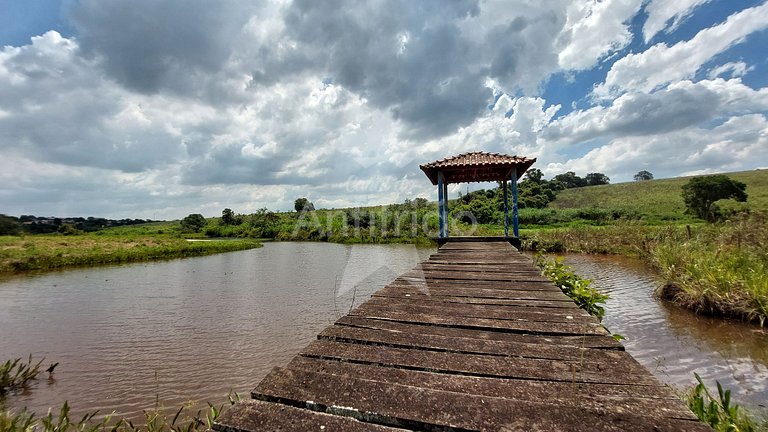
(506,209)
(445,209)
(440,203)
(515,223)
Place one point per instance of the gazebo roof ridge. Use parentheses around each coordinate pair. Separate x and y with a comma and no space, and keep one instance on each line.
(477,166)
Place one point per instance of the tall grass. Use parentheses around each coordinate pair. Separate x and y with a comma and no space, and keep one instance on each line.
(719,270)
(719,412)
(16,373)
(155,420)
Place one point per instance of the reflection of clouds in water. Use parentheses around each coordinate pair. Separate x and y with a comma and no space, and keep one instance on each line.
(368,267)
(672,342)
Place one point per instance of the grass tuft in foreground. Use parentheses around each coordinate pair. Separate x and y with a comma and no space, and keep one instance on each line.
(157,419)
(720,413)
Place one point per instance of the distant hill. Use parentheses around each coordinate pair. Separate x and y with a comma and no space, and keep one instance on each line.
(660,199)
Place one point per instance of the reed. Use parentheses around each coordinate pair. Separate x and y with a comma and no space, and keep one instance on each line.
(155,420)
(16,373)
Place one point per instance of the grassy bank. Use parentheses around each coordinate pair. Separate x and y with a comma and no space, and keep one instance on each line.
(49,252)
(719,269)
(656,201)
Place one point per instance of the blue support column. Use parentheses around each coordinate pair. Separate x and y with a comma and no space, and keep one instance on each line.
(440,203)
(445,209)
(506,209)
(515,223)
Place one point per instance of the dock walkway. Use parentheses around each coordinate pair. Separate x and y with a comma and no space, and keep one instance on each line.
(474,338)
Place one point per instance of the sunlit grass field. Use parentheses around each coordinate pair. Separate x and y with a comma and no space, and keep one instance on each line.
(657,200)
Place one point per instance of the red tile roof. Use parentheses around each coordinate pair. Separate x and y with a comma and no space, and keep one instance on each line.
(477,166)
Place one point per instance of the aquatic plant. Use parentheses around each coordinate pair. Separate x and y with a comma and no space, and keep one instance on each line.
(580,290)
(720,413)
(17,373)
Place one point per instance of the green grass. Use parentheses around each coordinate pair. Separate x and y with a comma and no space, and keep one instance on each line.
(656,200)
(720,412)
(54,251)
(15,374)
(718,269)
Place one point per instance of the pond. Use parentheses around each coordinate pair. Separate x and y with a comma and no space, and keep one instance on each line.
(673,342)
(191,330)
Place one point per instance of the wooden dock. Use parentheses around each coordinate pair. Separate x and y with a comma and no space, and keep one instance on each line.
(472,339)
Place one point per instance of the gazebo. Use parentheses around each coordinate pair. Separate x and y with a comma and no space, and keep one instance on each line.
(477,167)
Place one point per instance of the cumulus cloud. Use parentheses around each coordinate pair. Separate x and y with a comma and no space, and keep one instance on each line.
(661,12)
(149,46)
(595,29)
(182,107)
(730,146)
(680,105)
(662,64)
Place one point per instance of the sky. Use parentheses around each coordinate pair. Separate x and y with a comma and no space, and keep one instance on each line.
(158,109)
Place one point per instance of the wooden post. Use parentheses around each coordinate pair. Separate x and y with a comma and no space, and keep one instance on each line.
(506,209)
(440,203)
(515,224)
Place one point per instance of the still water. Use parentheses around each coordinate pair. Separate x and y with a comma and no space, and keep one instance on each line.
(674,343)
(183,330)
(194,329)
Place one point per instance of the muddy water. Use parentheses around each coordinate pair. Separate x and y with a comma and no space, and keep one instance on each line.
(192,329)
(183,330)
(672,342)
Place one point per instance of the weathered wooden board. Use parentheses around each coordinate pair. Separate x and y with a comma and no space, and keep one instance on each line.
(471,339)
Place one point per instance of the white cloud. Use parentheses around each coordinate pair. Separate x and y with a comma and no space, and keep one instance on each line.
(731,146)
(662,64)
(679,106)
(735,69)
(594,30)
(260,103)
(660,12)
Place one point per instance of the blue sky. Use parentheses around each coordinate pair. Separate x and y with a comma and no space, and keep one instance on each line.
(138,108)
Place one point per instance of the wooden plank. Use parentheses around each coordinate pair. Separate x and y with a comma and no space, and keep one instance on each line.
(414,305)
(468,345)
(479,292)
(587,341)
(609,371)
(544,328)
(475,300)
(256,415)
(568,393)
(419,408)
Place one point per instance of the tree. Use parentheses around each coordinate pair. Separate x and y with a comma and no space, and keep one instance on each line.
(303,204)
(535,175)
(643,175)
(193,223)
(9,225)
(227,217)
(570,180)
(701,193)
(594,179)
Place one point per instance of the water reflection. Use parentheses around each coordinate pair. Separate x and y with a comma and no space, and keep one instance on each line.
(183,330)
(673,342)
